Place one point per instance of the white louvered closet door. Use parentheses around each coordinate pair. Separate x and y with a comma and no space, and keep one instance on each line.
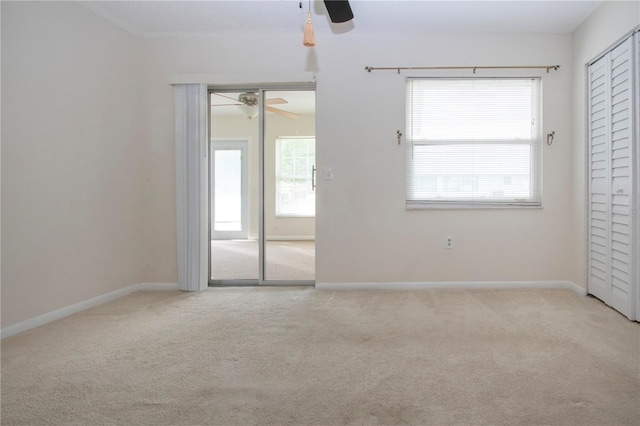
(612,246)
(621,166)
(599,180)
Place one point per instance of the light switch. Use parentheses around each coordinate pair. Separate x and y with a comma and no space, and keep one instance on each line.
(328,173)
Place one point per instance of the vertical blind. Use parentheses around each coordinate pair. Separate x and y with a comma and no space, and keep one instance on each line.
(191,185)
(473,141)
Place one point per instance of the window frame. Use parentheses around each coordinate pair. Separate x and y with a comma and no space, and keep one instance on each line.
(277,175)
(535,158)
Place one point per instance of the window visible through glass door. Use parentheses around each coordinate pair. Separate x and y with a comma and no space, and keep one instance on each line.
(295,176)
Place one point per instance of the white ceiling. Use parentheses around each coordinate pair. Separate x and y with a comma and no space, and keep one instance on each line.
(161,18)
(165,18)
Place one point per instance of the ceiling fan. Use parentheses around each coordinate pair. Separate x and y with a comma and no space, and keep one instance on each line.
(249,103)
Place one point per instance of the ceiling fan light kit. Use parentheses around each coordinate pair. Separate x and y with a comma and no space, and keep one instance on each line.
(248,99)
(249,110)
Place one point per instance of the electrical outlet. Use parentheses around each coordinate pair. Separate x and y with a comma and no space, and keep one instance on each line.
(448,243)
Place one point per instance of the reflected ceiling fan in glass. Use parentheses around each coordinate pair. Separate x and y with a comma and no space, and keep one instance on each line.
(249,102)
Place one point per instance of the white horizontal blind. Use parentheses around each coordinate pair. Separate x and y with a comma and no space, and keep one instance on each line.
(473,141)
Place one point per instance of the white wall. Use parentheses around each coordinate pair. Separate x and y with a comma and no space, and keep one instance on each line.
(71,158)
(363,231)
(88,170)
(164,58)
(611,21)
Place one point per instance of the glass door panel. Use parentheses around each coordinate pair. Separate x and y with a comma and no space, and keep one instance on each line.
(234,191)
(289,186)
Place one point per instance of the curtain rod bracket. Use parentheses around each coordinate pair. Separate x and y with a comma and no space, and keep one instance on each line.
(368,69)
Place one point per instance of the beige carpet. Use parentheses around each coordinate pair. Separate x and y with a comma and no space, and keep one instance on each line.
(301,356)
(285,260)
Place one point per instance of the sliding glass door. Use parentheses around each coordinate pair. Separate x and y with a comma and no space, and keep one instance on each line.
(262,169)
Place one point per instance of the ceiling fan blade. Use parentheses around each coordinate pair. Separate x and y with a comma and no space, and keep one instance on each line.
(224,96)
(215,105)
(276,101)
(282,112)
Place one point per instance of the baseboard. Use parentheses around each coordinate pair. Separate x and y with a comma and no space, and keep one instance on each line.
(43,319)
(290,238)
(157,287)
(465,285)
(576,288)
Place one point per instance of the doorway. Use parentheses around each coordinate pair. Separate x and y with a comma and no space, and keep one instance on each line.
(230,189)
(262,170)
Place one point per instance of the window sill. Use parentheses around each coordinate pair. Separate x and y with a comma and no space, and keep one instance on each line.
(466,206)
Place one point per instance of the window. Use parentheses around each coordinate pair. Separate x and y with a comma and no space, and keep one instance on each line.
(473,142)
(295,165)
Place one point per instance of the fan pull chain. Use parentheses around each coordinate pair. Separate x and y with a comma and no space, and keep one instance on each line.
(309,39)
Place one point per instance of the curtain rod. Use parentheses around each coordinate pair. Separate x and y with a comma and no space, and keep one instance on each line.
(547,67)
